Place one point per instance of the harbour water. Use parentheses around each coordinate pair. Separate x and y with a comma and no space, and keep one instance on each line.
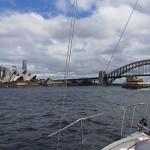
(29,115)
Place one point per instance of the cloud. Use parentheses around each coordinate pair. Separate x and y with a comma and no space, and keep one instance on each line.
(85,5)
(62,5)
(44,42)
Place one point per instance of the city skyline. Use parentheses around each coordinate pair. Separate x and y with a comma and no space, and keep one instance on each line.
(7,75)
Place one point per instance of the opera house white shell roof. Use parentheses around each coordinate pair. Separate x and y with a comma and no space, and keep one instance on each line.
(23,76)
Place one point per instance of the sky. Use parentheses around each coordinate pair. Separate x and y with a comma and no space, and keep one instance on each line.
(38,31)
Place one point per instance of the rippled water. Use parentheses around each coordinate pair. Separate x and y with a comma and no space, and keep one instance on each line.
(28,115)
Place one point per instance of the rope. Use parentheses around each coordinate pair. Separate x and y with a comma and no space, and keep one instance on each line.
(134,105)
(67,64)
(115,49)
(124,111)
(119,40)
(67,69)
(138,143)
(50,135)
(74,123)
(104,133)
(91,135)
(84,140)
(114,124)
(93,147)
(85,118)
(117,46)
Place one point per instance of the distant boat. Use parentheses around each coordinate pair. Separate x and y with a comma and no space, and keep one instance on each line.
(134,83)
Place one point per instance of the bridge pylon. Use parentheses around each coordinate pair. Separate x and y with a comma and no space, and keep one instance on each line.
(102,78)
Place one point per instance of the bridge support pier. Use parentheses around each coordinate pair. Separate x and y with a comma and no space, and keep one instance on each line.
(102,80)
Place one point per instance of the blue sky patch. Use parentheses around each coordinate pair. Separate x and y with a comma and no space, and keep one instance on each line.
(46,8)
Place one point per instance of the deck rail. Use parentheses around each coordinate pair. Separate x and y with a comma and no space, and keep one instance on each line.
(83,139)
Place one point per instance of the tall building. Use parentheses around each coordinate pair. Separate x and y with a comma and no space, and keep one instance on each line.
(7,72)
(24,65)
(4,72)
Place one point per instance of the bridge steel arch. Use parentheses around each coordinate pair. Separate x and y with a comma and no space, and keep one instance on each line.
(118,73)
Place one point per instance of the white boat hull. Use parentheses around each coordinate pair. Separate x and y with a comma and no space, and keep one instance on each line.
(126,143)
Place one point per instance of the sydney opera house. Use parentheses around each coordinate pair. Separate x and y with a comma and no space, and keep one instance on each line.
(6,76)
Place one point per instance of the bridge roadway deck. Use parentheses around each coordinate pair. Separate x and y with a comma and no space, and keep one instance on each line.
(97,78)
(79,79)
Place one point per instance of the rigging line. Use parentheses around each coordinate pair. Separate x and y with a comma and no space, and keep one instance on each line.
(54,133)
(72,38)
(91,135)
(118,42)
(115,49)
(114,125)
(98,140)
(120,38)
(67,64)
(85,118)
(107,129)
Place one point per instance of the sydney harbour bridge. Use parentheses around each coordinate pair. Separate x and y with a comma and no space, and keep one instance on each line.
(139,68)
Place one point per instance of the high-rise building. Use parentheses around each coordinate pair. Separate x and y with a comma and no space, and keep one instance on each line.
(7,72)
(4,72)
(24,65)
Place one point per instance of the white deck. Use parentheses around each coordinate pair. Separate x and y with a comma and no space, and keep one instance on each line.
(126,143)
